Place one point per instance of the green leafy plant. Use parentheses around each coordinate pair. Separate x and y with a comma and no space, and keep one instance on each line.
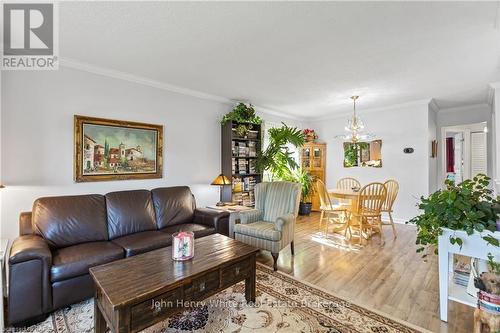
(493,265)
(277,158)
(242,113)
(468,206)
(350,154)
(242,129)
(304,178)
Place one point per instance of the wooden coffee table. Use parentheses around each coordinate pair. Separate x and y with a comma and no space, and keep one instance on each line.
(137,292)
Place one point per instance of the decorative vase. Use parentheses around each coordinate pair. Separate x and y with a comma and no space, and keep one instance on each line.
(305,208)
(310,137)
(182,245)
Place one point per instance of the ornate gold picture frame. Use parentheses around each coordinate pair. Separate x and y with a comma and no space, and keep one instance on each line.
(108,149)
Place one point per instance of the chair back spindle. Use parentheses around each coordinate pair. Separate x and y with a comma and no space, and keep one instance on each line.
(392,187)
(371,198)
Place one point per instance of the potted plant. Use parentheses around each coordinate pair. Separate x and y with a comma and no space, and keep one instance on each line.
(469,206)
(244,115)
(304,178)
(277,159)
(310,135)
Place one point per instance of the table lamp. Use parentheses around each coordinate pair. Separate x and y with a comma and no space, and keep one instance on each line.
(221,181)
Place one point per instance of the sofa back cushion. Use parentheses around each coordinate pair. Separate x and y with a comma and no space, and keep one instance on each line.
(173,205)
(129,212)
(69,220)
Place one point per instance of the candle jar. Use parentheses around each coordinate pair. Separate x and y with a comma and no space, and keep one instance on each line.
(182,245)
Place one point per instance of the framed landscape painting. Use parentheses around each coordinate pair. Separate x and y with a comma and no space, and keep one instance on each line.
(116,150)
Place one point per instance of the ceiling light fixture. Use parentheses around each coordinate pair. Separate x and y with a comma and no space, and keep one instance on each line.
(355,127)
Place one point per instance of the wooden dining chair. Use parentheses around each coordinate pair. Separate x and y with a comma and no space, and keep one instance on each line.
(329,212)
(367,216)
(347,183)
(392,187)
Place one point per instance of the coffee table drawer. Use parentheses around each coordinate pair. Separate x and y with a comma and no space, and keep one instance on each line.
(143,314)
(201,286)
(236,272)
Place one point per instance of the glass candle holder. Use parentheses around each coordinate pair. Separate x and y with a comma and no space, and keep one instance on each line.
(182,245)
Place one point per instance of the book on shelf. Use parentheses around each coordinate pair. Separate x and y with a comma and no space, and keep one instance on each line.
(237,184)
(240,149)
(252,149)
(249,183)
(252,166)
(461,269)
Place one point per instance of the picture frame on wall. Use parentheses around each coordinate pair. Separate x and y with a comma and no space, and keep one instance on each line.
(106,149)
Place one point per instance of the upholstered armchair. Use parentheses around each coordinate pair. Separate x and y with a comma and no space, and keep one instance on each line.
(270,226)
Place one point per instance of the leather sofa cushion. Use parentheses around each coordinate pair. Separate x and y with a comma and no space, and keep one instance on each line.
(76,260)
(69,220)
(129,212)
(199,230)
(143,242)
(173,205)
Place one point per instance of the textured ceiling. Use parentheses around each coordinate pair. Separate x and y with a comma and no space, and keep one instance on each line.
(301,58)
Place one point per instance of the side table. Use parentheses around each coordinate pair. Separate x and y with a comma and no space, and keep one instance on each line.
(234,215)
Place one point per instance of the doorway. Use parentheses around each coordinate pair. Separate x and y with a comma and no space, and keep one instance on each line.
(465,152)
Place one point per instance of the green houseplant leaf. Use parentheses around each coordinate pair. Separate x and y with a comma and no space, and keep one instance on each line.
(277,159)
(469,206)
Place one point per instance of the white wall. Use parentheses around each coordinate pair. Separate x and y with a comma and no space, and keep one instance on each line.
(37,135)
(464,115)
(398,127)
(433,172)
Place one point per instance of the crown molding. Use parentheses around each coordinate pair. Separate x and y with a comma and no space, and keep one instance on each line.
(111,73)
(433,106)
(85,67)
(492,87)
(421,102)
(464,107)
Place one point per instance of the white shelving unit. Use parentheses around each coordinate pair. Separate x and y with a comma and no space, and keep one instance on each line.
(473,246)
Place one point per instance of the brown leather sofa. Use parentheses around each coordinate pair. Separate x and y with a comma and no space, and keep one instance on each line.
(63,236)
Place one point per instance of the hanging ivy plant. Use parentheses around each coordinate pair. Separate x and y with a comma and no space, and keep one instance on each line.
(469,206)
(242,113)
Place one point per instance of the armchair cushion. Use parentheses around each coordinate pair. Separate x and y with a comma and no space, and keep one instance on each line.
(250,216)
(259,229)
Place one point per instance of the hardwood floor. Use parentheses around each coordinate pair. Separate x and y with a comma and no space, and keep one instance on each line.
(392,279)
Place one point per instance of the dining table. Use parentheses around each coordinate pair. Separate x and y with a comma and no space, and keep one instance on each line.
(345,194)
(349,196)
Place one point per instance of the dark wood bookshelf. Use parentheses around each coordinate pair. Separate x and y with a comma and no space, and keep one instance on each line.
(229,157)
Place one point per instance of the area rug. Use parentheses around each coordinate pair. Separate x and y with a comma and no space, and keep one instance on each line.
(283,304)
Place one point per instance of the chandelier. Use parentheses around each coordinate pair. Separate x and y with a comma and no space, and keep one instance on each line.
(355,127)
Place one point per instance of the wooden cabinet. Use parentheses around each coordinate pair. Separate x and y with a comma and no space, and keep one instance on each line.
(313,159)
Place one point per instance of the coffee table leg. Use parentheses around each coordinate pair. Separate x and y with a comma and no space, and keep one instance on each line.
(99,321)
(250,284)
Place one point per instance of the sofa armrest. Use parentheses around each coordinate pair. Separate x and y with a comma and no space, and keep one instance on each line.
(30,247)
(213,218)
(30,260)
(250,216)
(25,227)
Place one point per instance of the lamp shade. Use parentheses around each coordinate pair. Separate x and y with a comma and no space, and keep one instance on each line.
(221,180)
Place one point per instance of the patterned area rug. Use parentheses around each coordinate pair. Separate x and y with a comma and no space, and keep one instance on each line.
(283,304)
